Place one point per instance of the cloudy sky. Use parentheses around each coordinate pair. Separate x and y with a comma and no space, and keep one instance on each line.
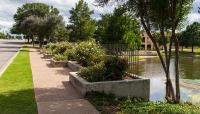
(8,9)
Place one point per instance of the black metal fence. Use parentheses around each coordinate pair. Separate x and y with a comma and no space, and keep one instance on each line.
(126,51)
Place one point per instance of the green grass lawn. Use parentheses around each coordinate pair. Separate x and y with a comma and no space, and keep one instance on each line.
(136,58)
(186,52)
(16,87)
(196,50)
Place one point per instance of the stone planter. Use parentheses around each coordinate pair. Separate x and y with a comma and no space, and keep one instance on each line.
(47,56)
(55,63)
(136,88)
(74,66)
(41,51)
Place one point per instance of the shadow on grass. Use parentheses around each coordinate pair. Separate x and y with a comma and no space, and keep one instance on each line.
(18,102)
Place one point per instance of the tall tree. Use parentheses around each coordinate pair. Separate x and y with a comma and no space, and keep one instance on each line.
(82,25)
(29,26)
(37,18)
(51,22)
(166,15)
(61,34)
(113,27)
(28,9)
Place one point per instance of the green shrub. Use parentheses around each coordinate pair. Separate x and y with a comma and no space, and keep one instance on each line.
(64,51)
(113,68)
(47,46)
(59,57)
(61,47)
(70,54)
(103,102)
(48,49)
(93,73)
(89,53)
(133,107)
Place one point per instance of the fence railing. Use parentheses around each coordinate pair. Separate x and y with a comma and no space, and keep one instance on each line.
(125,51)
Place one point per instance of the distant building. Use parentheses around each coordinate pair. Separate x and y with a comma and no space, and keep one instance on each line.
(15,36)
(147,44)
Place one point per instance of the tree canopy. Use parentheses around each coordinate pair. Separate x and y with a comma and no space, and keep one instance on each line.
(164,15)
(191,36)
(37,19)
(82,25)
(118,27)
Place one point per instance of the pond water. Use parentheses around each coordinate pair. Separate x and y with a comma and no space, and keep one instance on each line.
(189,74)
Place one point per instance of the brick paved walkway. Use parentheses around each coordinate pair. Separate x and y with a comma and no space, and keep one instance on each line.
(54,94)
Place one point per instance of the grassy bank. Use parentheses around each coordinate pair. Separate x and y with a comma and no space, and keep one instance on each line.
(16,87)
(108,104)
(136,58)
(186,52)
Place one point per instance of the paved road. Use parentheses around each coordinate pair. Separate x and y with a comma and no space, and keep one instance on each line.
(8,48)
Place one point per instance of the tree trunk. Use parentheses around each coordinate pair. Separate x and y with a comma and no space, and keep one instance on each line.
(177,70)
(170,97)
(28,39)
(192,44)
(169,87)
(40,41)
(174,25)
(33,42)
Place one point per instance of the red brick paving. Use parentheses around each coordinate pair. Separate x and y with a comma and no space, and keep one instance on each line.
(54,94)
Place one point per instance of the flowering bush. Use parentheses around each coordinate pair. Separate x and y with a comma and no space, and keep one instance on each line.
(62,47)
(89,53)
(48,49)
(60,51)
(59,57)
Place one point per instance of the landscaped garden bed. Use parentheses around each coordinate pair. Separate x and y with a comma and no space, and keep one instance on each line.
(47,56)
(137,88)
(93,70)
(74,66)
(59,53)
(55,63)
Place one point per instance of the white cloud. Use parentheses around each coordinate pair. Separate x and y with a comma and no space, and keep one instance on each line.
(194,16)
(9,7)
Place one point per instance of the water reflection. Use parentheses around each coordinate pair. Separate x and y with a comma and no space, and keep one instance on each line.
(189,73)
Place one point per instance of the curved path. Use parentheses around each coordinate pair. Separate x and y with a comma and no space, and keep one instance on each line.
(8,49)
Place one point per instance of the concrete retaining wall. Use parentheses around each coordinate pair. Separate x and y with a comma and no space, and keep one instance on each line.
(74,66)
(136,88)
(58,63)
(47,56)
